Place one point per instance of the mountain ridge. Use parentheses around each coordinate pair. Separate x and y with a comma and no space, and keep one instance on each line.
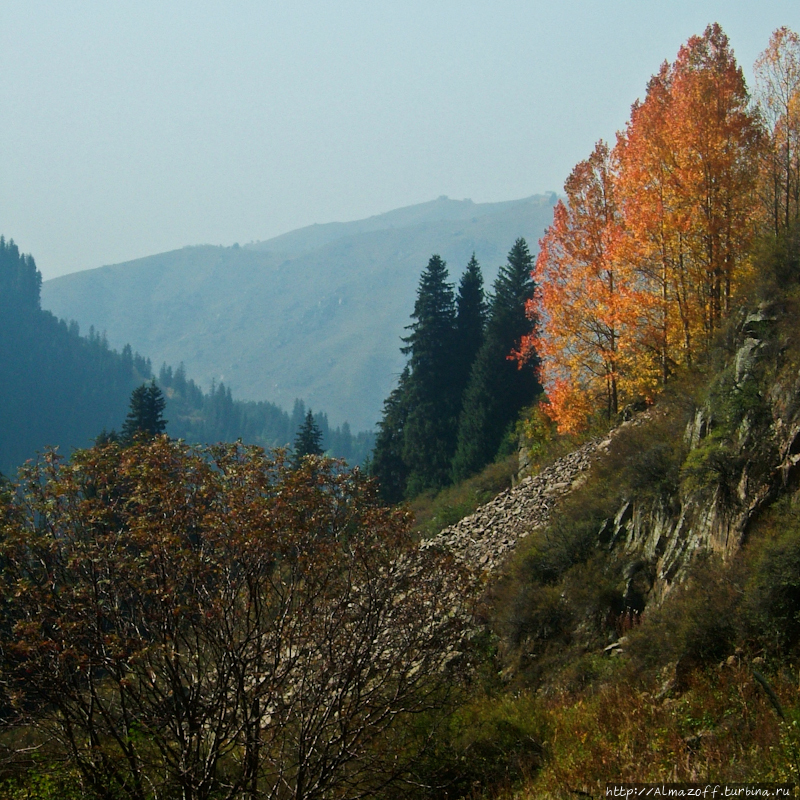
(318,321)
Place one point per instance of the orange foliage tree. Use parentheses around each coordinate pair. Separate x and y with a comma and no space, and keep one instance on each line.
(638,269)
(588,301)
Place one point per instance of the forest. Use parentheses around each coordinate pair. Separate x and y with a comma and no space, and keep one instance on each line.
(207,622)
(64,389)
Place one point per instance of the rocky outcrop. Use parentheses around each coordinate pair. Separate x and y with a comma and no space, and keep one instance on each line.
(744,444)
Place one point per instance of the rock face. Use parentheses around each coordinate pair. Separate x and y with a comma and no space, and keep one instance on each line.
(744,444)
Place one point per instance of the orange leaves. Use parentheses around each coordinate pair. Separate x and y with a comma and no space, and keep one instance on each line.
(639,266)
(588,299)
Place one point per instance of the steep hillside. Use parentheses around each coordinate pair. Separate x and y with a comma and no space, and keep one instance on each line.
(57,387)
(642,598)
(315,314)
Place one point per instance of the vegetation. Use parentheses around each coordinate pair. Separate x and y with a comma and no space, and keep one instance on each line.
(638,271)
(64,389)
(460,393)
(217,623)
(308,441)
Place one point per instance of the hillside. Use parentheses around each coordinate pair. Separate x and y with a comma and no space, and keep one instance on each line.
(61,389)
(315,313)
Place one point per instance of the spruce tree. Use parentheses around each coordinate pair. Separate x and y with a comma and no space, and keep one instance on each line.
(308,441)
(146,415)
(429,432)
(387,463)
(498,390)
(471,311)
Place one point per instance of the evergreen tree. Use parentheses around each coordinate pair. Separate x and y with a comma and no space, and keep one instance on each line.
(387,463)
(498,390)
(431,397)
(308,441)
(146,415)
(470,321)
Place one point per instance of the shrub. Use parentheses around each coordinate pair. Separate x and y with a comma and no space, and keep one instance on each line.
(772,594)
(197,622)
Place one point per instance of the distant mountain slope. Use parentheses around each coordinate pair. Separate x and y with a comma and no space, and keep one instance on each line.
(316,313)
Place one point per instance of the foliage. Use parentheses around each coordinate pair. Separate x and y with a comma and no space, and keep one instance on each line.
(771,606)
(638,270)
(214,623)
(777,72)
(471,312)
(429,430)
(146,415)
(589,304)
(388,465)
(61,388)
(433,512)
(498,388)
(490,744)
(58,387)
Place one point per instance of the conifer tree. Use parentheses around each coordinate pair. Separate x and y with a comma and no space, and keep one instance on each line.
(497,389)
(432,398)
(146,415)
(387,463)
(309,439)
(471,311)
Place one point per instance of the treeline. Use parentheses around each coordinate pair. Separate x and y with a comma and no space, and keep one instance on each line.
(459,395)
(196,416)
(61,388)
(57,387)
(641,264)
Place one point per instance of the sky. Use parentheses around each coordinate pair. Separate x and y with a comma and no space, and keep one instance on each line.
(128,129)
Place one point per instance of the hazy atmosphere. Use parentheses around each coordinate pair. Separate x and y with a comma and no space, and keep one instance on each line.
(131,131)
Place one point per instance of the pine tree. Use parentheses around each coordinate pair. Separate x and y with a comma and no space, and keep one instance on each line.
(387,463)
(431,397)
(146,415)
(308,441)
(498,390)
(471,311)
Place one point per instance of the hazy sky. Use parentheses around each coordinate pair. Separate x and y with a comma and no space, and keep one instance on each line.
(130,129)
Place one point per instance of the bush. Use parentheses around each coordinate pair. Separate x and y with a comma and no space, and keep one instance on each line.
(696,623)
(193,622)
(772,594)
(434,512)
(493,742)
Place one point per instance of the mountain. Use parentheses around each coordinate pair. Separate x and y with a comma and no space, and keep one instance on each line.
(316,313)
(56,387)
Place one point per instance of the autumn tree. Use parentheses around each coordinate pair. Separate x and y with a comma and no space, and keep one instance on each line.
(715,143)
(587,300)
(777,73)
(215,623)
(688,164)
(656,232)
